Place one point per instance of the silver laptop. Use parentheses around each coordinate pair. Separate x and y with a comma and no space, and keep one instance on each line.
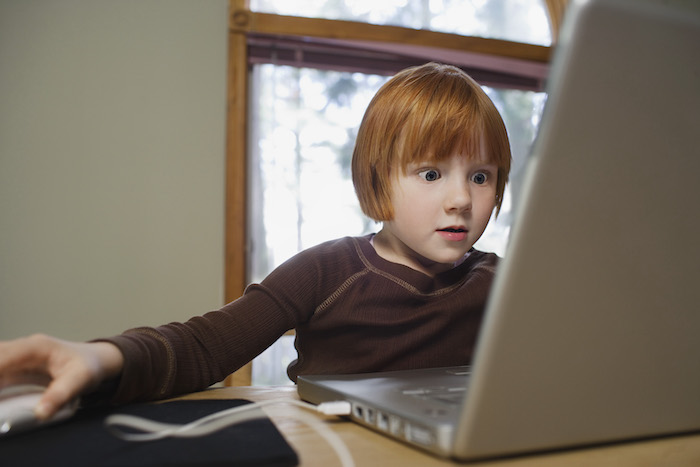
(592,331)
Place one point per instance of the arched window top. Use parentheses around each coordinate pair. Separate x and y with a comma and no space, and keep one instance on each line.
(523,21)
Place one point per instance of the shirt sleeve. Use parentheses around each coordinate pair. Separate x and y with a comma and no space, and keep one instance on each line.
(183,357)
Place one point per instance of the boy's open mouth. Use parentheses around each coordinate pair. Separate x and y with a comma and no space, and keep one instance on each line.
(455,233)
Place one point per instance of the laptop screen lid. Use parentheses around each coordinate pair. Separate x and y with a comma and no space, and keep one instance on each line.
(590,335)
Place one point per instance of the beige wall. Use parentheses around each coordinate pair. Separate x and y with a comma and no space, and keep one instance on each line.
(112,124)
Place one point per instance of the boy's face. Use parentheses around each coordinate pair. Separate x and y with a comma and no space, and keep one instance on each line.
(440,211)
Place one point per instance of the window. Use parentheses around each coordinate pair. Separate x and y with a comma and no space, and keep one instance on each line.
(304,126)
(306,98)
(515,20)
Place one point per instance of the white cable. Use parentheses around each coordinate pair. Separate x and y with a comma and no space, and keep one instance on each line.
(152,430)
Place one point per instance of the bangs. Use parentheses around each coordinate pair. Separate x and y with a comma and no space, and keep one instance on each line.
(450,118)
(437,141)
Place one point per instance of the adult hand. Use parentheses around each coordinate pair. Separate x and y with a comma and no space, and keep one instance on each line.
(69,369)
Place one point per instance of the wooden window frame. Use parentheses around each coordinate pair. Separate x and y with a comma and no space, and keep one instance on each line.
(396,46)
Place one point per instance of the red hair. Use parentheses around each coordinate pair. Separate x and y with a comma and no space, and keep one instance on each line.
(424,113)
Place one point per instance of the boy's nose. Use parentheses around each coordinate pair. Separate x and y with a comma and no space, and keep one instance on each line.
(459,197)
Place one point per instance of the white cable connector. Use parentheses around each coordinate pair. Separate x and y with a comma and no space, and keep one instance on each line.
(151,430)
(335,408)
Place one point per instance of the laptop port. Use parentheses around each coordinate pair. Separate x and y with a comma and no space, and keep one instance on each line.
(419,435)
(395,426)
(382,421)
(358,411)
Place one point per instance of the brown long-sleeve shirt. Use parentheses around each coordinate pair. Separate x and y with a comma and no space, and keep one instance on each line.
(352,310)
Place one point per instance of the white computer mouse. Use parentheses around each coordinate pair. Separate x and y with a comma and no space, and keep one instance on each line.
(17,404)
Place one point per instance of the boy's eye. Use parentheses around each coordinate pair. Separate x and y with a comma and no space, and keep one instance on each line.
(429,175)
(480,178)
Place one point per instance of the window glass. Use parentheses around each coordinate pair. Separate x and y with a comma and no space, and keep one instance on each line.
(301,188)
(515,20)
(304,123)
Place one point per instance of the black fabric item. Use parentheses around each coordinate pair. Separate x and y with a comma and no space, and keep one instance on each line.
(84,441)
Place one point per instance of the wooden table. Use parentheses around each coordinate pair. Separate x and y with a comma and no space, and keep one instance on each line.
(369,448)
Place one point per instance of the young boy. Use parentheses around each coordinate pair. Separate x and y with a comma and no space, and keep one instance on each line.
(431,162)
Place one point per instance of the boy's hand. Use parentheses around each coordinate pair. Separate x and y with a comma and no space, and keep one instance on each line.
(68,368)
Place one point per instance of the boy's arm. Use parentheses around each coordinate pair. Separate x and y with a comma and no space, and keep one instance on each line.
(185,357)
